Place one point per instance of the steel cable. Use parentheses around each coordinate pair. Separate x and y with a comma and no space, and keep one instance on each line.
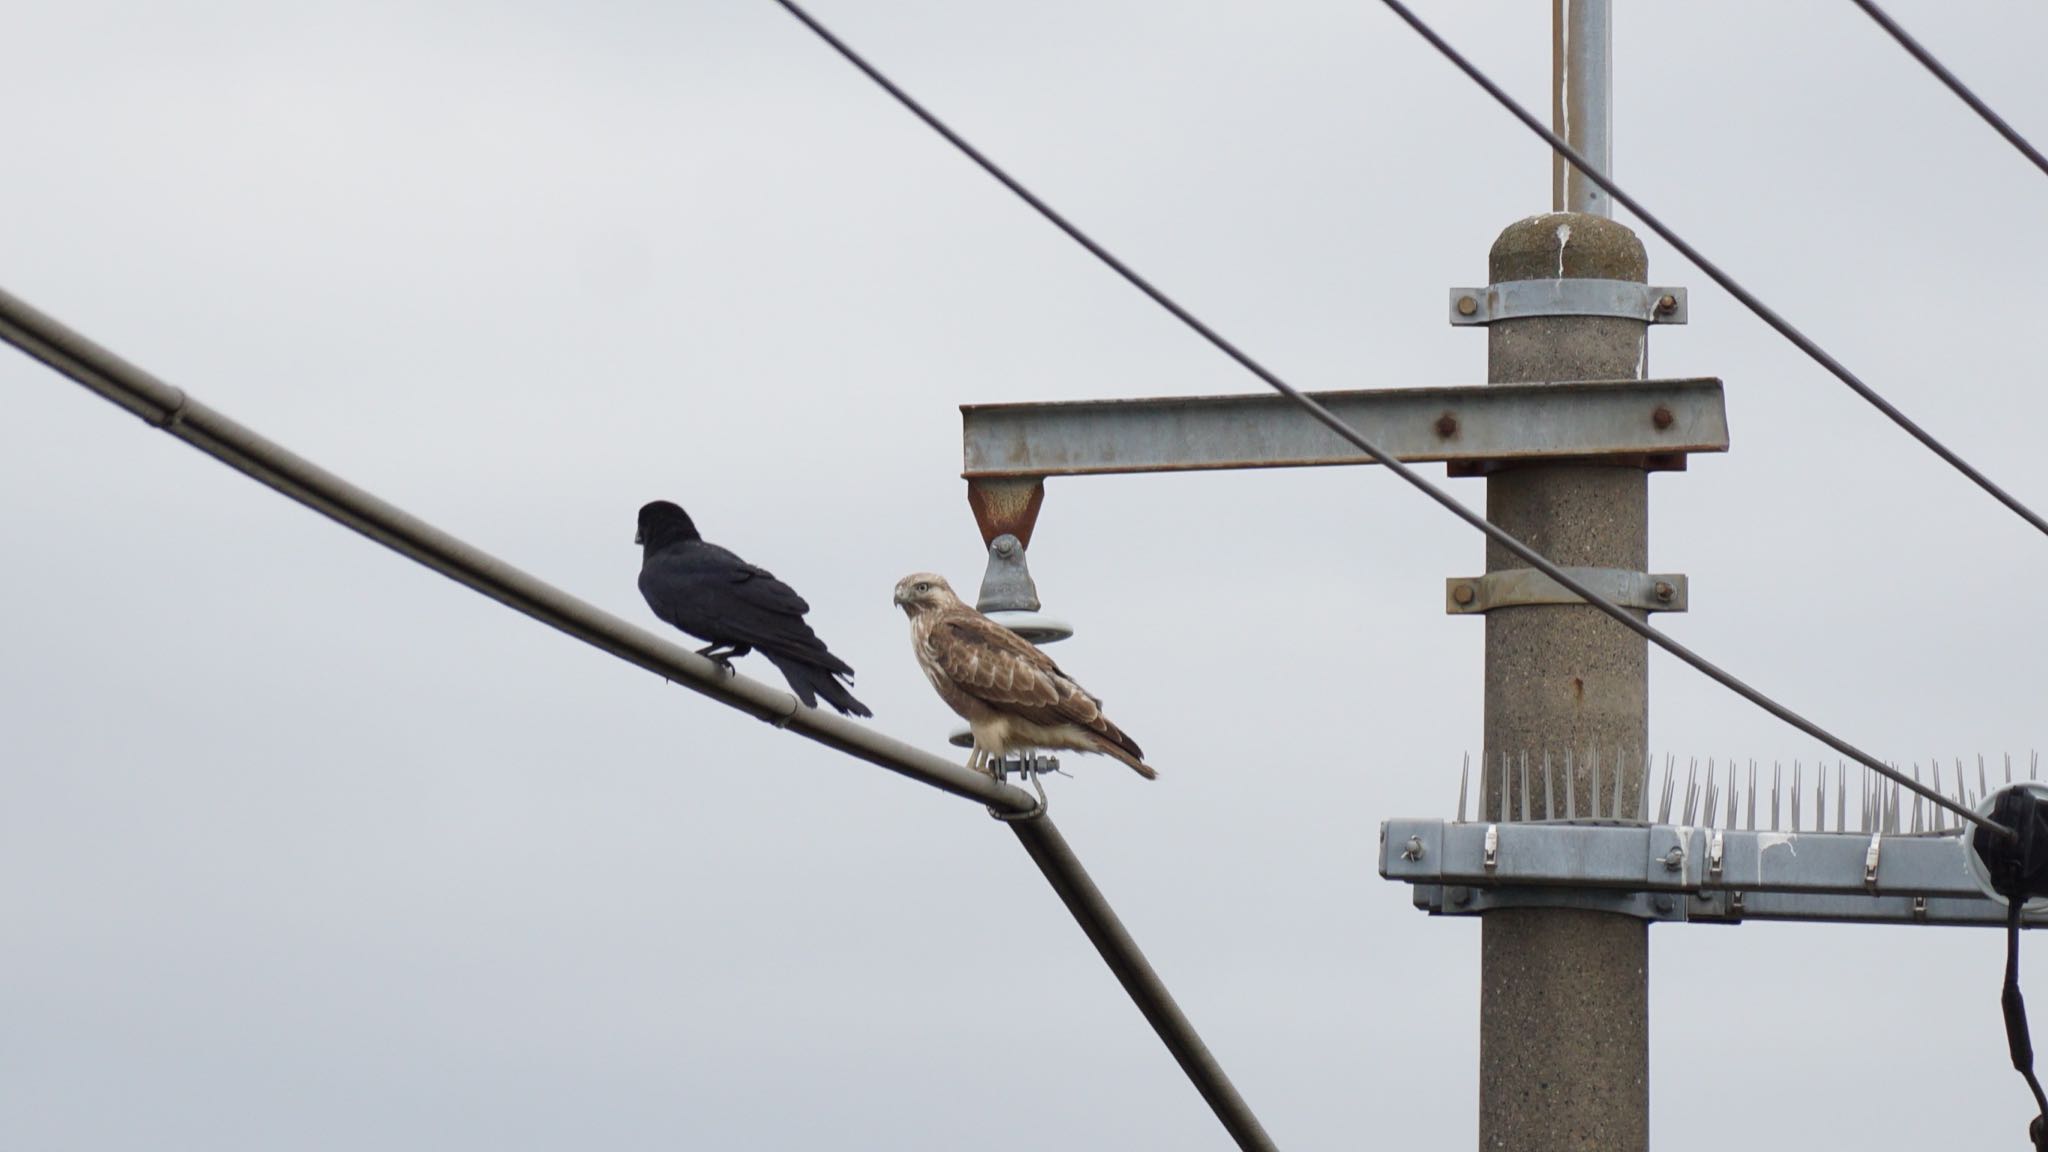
(1713,271)
(1955,84)
(1329,420)
(172,411)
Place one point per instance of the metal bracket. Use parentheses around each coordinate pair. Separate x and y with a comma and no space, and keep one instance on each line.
(1520,299)
(1015,764)
(1670,849)
(1519,587)
(1468,426)
(1468,901)
(1653,871)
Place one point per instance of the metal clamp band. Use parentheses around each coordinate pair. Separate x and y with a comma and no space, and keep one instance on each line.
(1520,299)
(1517,587)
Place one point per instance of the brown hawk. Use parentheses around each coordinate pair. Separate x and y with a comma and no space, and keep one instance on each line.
(1011,694)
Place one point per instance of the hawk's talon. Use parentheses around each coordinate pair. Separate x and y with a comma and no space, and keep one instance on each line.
(978,761)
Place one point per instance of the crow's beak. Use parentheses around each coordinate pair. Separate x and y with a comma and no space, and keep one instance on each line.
(639,537)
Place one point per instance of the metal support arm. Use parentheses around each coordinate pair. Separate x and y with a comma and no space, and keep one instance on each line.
(1461,425)
(1679,872)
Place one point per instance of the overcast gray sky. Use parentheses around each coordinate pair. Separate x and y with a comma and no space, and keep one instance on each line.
(302,846)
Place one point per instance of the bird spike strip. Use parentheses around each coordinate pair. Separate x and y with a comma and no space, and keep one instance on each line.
(1722,792)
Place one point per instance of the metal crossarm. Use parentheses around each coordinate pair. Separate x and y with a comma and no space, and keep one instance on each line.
(1680,872)
(1469,424)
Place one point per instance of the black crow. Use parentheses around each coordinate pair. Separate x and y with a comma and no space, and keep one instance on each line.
(716,596)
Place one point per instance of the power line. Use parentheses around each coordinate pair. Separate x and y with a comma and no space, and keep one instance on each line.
(171,410)
(1713,271)
(1955,83)
(1050,852)
(273,465)
(1331,421)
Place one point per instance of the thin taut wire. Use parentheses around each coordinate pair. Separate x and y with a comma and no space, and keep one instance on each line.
(1749,299)
(1357,439)
(1955,84)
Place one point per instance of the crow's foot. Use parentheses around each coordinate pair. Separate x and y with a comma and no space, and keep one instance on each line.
(721,655)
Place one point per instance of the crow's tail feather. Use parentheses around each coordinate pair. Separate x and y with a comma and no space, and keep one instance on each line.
(836,695)
(809,681)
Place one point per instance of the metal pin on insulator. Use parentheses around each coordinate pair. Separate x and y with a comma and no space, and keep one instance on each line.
(1010,598)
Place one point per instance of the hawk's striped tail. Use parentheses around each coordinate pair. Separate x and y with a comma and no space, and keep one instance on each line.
(1114,743)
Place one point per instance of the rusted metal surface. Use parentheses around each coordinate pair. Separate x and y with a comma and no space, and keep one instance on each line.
(1007,447)
(1005,506)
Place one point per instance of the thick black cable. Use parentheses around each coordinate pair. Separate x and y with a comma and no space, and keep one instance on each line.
(1713,271)
(2017,1038)
(1330,420)
(2018,870)
(1955,84)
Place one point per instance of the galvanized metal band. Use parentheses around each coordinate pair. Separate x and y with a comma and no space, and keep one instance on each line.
(1521,299)
(1520,587)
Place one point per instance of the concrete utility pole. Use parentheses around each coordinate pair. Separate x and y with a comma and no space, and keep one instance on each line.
(1564,992)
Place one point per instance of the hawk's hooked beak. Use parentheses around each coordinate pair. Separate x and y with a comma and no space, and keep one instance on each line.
(897,599)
